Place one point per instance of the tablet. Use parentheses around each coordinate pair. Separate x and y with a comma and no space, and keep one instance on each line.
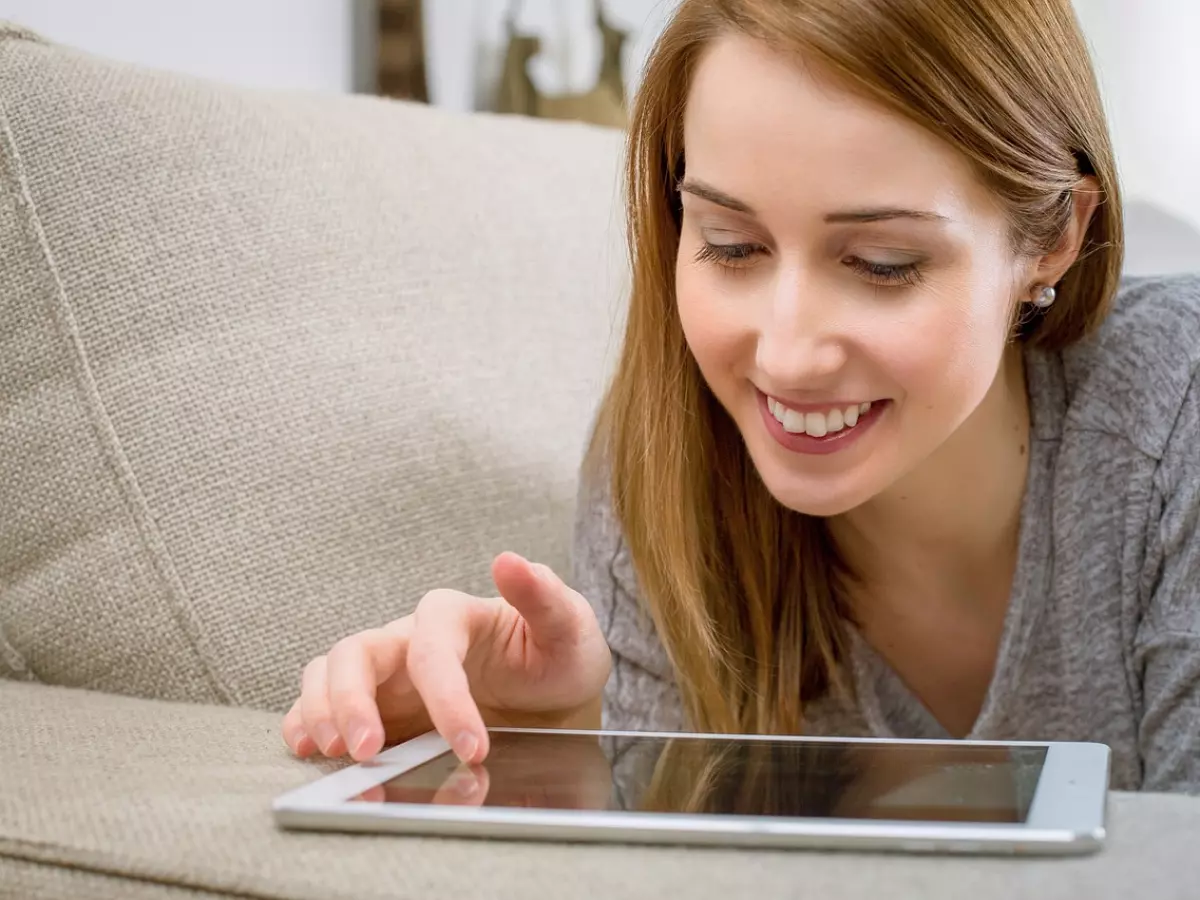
(652,787)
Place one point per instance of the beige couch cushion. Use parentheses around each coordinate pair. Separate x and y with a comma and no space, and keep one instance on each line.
(272,365)
(180,794)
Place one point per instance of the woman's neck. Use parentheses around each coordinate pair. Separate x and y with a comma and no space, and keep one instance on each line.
(952,524)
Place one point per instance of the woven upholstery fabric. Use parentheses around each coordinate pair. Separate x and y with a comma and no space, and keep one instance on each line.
(180,794)
(21,879)
(273,365)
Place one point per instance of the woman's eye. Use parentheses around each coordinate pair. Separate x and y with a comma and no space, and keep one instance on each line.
(886,273)
(730,255)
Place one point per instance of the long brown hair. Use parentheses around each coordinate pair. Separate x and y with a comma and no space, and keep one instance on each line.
(746,595)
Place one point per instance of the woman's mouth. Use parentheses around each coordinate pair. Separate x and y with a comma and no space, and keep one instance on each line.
(818,423)
(820,430)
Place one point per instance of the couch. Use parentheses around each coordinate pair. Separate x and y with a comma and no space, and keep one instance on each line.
(273,364)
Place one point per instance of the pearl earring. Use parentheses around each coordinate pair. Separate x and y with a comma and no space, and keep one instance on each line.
(1044,298)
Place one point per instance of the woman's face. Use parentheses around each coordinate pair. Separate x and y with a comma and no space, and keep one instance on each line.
(834,255)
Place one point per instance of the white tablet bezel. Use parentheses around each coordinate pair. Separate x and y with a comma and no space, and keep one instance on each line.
(1067,813)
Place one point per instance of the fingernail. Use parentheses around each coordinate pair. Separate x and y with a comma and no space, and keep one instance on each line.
(325,734)
(358,737)
(301,737)
(465,746)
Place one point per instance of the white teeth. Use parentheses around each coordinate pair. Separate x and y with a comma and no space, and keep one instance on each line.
(792,421)
(818,424)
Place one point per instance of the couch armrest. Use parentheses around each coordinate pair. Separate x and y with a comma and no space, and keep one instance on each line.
(145,798)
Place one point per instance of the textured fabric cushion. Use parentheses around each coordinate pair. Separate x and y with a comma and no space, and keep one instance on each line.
(272,365)
(180,794)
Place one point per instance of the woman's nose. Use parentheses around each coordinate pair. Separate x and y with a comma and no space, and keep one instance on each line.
(799,340)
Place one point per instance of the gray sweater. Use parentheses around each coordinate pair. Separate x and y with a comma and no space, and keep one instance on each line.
(1102,636)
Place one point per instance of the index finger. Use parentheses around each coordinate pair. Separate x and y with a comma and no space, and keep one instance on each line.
(445,624)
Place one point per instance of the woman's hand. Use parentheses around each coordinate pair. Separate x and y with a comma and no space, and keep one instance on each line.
(533,656)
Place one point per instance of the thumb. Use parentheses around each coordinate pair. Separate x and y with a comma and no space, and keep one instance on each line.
(542,598)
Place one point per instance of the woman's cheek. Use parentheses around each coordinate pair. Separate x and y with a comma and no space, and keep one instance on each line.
(950,354)
(712,316)
(911,348)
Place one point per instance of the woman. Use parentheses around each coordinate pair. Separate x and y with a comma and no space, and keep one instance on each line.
(889,450)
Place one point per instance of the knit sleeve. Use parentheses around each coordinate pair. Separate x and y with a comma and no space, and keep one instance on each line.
(641,693)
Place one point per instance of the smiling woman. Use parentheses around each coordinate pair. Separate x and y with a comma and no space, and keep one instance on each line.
(876,415)
(890,450)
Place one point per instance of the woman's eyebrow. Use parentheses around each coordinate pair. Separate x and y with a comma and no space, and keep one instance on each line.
(883,213)
(867,214)
(712,195)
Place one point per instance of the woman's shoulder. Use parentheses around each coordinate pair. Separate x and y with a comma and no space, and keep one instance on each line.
(1134,374)
(1157,312)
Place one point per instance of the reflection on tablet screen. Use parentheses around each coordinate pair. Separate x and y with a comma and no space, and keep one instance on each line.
(933,782)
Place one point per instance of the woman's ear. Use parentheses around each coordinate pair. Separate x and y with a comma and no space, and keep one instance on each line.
(1085,197)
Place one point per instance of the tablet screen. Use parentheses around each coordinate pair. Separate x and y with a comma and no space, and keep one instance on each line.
(828,779)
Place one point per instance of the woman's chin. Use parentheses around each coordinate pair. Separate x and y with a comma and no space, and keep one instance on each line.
(811,503)
(813,495)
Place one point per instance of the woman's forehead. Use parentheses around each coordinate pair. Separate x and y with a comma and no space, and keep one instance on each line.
(764,124)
